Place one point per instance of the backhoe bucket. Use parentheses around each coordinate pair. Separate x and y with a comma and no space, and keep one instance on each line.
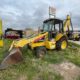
(14,57)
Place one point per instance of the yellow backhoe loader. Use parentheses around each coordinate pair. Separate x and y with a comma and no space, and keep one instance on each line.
(51,37)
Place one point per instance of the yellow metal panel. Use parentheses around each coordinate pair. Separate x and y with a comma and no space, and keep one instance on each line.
(1,32)
(58,36)
(50,45)
(33,45)
(1,43)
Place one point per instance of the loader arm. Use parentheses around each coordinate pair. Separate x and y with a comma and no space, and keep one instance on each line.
(14,54)
(67,24)
(22,42)
(68,29)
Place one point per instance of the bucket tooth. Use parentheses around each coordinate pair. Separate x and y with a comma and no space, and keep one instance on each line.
(14,57)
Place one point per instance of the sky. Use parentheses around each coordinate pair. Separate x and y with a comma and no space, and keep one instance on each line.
(21,14)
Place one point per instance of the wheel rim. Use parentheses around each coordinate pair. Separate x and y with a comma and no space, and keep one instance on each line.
(63,45)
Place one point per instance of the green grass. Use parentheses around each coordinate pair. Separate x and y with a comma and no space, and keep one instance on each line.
(37,69)
(78,78)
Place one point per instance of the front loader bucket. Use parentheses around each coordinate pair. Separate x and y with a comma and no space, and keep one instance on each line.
(13,57)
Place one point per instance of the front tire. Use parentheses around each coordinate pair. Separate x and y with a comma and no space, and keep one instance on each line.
(40,52)
(62,43)
(77,39)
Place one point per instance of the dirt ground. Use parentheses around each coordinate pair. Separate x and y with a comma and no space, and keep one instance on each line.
(68,70)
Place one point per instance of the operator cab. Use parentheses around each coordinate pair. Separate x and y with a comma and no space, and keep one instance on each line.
(53,26)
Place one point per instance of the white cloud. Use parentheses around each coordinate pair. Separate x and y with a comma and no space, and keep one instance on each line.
(23,13)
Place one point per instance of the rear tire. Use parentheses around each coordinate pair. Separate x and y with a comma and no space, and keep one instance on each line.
(40,52)
(77,39)
(62,44)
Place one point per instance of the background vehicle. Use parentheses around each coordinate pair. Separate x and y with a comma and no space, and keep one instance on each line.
(13,34)
(1,34)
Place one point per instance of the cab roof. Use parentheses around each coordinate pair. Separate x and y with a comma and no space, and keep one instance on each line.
(56,21)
